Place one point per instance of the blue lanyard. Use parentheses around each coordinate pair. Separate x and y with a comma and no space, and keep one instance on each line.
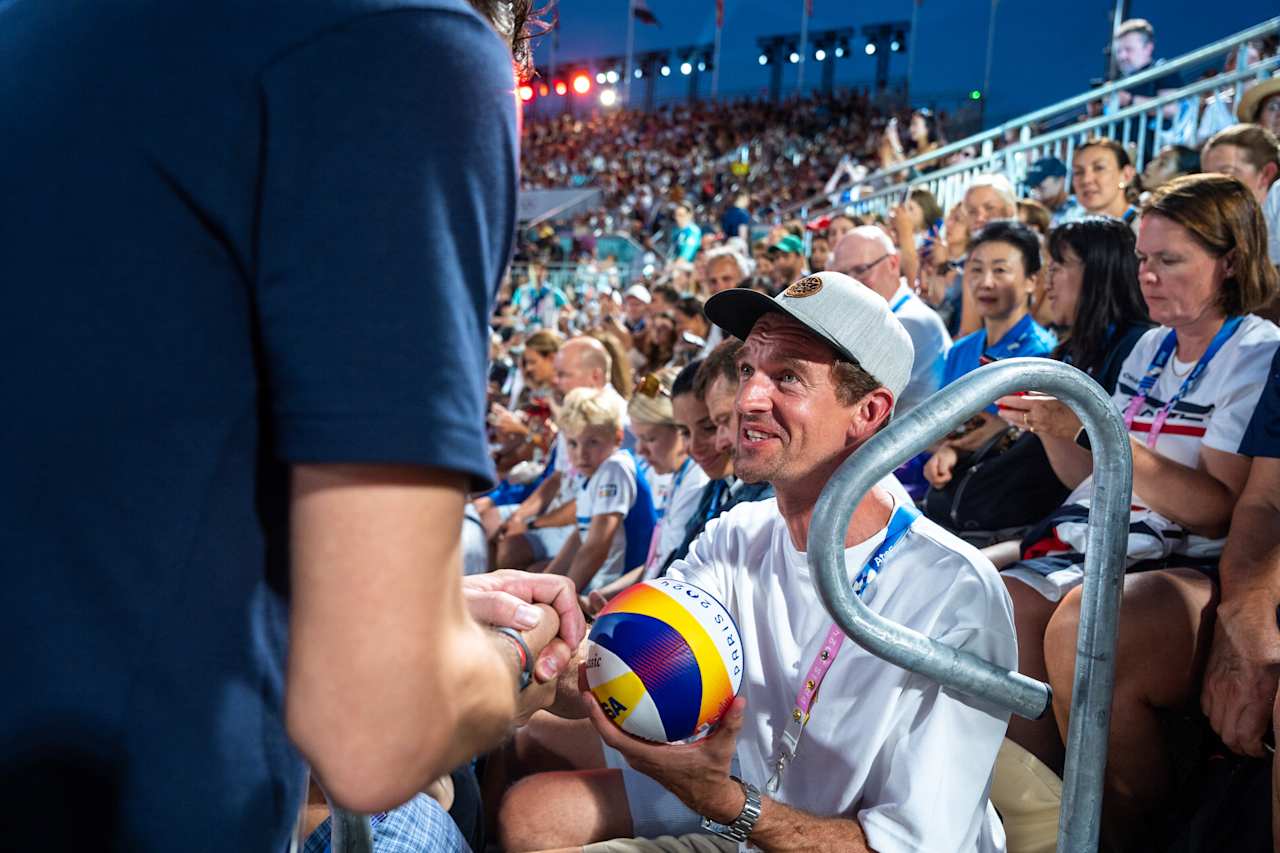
(902,300)
(1156,368)
(717,493)
(899,524)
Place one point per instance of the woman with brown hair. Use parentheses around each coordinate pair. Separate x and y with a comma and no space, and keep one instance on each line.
(1102,177)
(1187,390)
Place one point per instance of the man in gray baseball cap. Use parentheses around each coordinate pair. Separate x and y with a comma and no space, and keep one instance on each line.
(820,369)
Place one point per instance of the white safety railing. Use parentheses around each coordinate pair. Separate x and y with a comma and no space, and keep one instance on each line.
(1144,125)
(1134,126)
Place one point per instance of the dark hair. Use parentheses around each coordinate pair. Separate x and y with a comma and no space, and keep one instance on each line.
(1014,233)
(1225,219)
(721,362)
(683,383)
(1115,147)
(1110,299)
(690,306)
(667,292)
(1259,145)
(518,22)
(930,123)
(928,205)
(852,381)
(1188,159)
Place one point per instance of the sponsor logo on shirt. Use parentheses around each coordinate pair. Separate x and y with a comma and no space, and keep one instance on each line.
(608,490)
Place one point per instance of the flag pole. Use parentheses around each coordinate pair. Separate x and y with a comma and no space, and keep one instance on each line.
(627,73)
(911,46)
(804,44)
(715,63)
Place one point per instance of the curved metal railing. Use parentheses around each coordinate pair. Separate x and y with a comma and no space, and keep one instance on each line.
(1079,820)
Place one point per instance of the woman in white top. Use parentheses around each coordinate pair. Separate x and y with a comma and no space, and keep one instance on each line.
(1187,390)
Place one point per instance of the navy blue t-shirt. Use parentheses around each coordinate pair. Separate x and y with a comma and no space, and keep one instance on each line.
(238,235)
(1262,436)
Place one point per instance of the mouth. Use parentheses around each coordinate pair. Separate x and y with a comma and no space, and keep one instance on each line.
(751,437)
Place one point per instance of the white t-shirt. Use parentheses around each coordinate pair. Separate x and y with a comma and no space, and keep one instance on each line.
(931,342)
(1214,413)
(570,479)
(673,517)
(611,489)
(910,760)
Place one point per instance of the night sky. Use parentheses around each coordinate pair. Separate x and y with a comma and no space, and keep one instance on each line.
(1044,51)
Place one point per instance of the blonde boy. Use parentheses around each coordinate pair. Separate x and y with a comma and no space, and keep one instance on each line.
(615,515)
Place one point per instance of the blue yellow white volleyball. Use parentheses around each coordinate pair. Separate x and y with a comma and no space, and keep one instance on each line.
(664,660)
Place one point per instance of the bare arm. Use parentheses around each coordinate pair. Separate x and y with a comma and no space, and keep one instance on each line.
(540,497)
(595,549)
(1243,669)
(558,517)
(1070,462)
(380,636)
(782,828)
(560,563)
(1168,487)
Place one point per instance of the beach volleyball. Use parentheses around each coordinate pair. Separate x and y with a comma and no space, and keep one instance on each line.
(664,660)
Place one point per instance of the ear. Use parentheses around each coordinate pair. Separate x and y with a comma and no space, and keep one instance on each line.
(869,414)
(1268,174)
(1129,173)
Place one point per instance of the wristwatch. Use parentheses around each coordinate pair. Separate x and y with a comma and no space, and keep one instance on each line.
(741,827)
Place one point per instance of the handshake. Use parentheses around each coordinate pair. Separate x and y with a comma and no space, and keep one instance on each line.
(545,610)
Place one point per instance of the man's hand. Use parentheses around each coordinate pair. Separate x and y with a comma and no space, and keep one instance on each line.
(506,598)
(513,526)
(939,467)
(540,693)
(697,773)
(1243,673)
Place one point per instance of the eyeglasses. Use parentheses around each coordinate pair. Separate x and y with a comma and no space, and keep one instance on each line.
(859,270)
(651,386)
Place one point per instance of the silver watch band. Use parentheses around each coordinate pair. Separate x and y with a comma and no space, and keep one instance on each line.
(741,827)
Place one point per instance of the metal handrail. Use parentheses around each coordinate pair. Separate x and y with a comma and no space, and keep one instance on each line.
(1024,122)
(1003,158)
(349,832)
(1079,820)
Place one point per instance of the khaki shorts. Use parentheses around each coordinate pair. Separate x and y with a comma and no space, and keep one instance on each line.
(696,842)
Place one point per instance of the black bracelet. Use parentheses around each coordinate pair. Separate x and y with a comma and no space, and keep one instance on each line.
(526,657)
(1082,439)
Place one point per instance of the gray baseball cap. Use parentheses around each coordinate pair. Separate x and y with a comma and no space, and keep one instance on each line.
(842,311)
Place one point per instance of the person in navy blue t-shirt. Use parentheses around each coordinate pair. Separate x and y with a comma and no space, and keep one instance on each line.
(251,251)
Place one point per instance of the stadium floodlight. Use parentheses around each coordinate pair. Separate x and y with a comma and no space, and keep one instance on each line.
(639,73)
(611,76)
(665,71)
(686,68)
(702,65)
(581,84)
(526,93)
(601,78)
(561,88)
(608,97)
(895,45)
(870,48)
(820,54)
(764,59)
(839,52)
(794,57)
(544,90)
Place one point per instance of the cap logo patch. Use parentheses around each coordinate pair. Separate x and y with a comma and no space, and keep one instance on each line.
(804,287)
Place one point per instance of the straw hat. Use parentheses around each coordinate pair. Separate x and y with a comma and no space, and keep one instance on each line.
(1254,96)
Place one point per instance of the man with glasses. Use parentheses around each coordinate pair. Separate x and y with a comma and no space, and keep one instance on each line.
(868,255)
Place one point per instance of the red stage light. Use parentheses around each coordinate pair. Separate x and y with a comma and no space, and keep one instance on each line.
(581,84)
(561,88)
(526,92)
(543,90)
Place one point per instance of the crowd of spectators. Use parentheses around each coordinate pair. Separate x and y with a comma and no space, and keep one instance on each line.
(1159,284)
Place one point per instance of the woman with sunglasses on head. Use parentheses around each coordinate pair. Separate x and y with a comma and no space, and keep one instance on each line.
(1187,392)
